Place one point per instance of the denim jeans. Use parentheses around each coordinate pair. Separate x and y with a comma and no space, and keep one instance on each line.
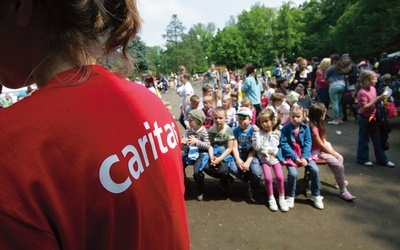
(314,175)
(335,95)
(364,135)
(254,175)
(198,174)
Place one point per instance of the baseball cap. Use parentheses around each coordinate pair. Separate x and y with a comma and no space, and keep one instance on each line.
(245,111)
(292,96)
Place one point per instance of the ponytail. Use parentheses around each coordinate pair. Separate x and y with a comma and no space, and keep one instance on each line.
(121,20)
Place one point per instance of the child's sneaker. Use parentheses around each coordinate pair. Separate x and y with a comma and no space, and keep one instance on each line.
(347,196)
(318,202)
(250,194)
(290,202)
(337,185)
(199,197)
(283,204)
(272,204)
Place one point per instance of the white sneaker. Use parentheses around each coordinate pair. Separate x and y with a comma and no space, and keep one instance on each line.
(318,202)
(390,164)
(333,122)
(199,197)
(283,204)
(272,204)
(290,202)
(368,163)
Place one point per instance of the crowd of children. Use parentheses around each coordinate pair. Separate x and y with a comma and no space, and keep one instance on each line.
(228,139)
(228,134)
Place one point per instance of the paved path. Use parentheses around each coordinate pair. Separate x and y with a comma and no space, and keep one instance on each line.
(372,221)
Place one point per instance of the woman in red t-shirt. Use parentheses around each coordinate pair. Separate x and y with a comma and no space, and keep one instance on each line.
(84,164)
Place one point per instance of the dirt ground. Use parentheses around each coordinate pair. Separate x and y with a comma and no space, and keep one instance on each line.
(372,221)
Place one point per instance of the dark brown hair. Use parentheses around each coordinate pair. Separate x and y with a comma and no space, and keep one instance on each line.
(315,113)
(74,27)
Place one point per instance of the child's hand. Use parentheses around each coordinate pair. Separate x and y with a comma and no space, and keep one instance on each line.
(213,161)
(184,140)
(216,161)
(300,162)
(240,164)
(303,162)
(192,140)
(245,167)
(256,128)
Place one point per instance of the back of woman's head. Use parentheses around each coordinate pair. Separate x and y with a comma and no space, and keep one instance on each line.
(335,58)
(77,30)
(249,69)
(325,63)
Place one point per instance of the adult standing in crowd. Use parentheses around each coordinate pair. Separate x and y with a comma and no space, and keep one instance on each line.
(350,72)
(302,76)
(186,92)
(252,88)
(335,76)
(90,166)
(322,84)
(212,76)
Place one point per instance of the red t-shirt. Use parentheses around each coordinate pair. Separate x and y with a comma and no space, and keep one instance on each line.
(94,165)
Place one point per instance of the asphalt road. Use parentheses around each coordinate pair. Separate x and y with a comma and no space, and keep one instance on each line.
(372,221)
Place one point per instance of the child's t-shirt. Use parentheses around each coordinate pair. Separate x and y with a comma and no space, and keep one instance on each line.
(243,138)
(221,138)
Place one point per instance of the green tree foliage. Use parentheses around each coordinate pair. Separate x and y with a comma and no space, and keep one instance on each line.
(315,28)
(199,38)
(137,50)
(288,32)
(229,48)
(174,39)
(255,26)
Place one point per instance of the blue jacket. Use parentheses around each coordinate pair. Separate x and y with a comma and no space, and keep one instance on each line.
(286,142)
(217,151)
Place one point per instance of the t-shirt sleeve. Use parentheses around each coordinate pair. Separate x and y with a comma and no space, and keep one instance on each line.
(230,134)
(315,131)
(362,98)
